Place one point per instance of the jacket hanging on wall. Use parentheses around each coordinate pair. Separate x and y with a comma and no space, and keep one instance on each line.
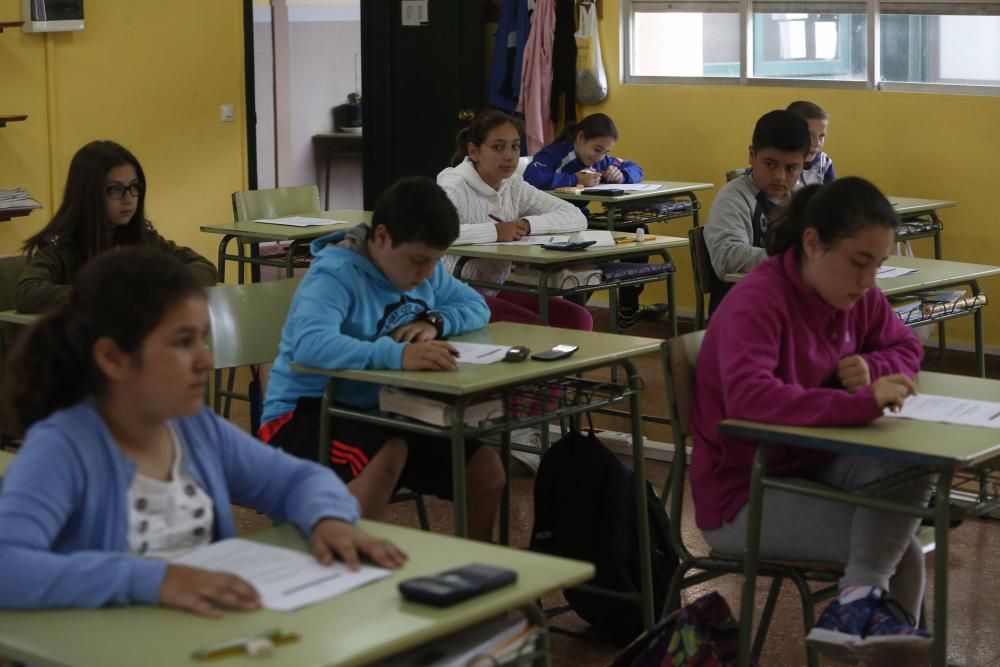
(536,78)
(564,61)
(508,54)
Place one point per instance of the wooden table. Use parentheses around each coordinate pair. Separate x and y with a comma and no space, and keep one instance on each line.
(920,219)
(330,143)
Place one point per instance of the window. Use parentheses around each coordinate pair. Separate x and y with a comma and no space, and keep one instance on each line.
(944,42)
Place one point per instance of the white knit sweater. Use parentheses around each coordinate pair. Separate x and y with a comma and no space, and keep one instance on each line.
(513,200)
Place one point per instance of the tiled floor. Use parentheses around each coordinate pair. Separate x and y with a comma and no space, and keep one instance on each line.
(974,596)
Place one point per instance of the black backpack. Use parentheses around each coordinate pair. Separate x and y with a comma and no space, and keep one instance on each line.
(585,509)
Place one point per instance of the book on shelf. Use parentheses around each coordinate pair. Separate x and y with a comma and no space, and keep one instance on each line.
(16,199)
(487,644)
(940,302)
(432,410)
(907,308)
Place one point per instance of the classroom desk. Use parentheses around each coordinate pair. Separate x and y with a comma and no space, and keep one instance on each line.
(925,448)
(330,143)
(551,261)
(920,219)
(534,380)
(617,213)
(255,233)
(935,274)
(355,628)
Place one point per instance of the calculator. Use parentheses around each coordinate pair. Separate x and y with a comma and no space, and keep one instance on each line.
(453,586)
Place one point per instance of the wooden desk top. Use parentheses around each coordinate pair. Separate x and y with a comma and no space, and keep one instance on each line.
(907,439)
(596,349)
(533,254)
(932,274)
(356,628)
(912,205)
(670,188)
(263,231)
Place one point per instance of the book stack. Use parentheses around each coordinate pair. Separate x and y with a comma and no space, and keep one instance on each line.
(945,302)
(16,202)
(907,308)
(432,410)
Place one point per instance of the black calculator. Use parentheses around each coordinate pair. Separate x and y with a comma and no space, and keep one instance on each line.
(454,586)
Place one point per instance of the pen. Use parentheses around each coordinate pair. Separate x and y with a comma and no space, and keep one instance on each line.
(245,645)
(493,217)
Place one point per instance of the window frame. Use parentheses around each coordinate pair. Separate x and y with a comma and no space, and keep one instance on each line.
(747,77)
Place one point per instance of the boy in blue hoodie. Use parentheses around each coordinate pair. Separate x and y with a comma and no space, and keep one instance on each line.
(379,297)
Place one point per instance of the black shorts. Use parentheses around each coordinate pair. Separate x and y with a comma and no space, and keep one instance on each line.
(354,443)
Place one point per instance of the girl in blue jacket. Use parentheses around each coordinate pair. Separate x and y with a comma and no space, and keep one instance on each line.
(123,467)
(582,157)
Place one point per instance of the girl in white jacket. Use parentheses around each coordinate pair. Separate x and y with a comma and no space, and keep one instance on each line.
(496,204)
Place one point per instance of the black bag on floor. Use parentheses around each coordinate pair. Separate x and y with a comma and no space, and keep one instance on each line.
(585,509)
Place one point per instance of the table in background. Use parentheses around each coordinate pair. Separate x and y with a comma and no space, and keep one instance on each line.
(551,261)
(535,381)
(935,274)
(254,233)
(330,143)
(356,628)
(618,214)
(922,215)
(925,448)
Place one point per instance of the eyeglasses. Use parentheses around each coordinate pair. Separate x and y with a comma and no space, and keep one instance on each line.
(118,190)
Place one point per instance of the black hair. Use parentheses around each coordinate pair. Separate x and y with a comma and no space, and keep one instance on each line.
(836,210)
(593,126)
(808,110)
(477,131)
(781,130)
(119,295)
(417,210)
(81,218)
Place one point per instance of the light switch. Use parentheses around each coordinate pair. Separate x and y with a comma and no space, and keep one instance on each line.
(226,113)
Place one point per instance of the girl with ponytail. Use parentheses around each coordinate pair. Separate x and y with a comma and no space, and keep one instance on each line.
(807,338)
(123,468)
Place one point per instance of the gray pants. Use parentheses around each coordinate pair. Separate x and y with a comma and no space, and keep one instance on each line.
(878,548)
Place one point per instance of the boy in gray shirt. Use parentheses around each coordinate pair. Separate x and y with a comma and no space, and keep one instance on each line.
(737,221)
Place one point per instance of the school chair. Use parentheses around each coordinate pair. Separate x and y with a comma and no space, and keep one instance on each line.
(10,272)
(682,356)
(522,164)
(701,268)
(277,203)
(246,331)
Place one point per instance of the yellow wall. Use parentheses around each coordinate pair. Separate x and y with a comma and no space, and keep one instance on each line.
(150,75)
(917,145)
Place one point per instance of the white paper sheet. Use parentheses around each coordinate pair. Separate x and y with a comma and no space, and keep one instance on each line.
(886,271)
(529,240)
(603,237)
(478,353)
(627,187)
(301,221)
(286,580)
(948,410)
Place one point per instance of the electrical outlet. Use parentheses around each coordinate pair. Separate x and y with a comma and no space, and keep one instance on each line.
(226,113)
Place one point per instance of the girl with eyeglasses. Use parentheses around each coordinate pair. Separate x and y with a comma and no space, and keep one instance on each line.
(103,207)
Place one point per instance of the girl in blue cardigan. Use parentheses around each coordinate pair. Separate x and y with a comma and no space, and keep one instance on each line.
(123,468)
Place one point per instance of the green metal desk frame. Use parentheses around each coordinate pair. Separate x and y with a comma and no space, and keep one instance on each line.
(597,350)
(912,209)
(926,448)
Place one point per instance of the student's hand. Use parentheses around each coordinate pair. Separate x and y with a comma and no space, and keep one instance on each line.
(613,175)
(431,355)
(587,177)
(523,226)
(204,592)
(333,538)
(853,373)
(892,390)
(416,331)
(509,231)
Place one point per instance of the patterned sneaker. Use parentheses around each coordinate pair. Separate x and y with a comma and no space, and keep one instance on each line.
(874,630)
(629,318)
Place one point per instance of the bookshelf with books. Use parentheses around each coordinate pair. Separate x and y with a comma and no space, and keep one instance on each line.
(936,306)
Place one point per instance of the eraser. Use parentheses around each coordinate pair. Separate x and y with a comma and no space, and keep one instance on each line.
(640,235)
(259,647)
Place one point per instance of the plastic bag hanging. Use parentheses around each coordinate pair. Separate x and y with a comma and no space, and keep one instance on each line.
(591,82)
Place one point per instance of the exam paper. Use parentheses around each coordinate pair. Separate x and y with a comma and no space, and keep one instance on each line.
(301,221)
(478,353)
(932,408)
(627,187)
(529,240)
(286,580)
(886,271)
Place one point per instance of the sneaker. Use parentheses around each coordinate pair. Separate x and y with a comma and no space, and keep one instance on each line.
(874,630)
(630,317)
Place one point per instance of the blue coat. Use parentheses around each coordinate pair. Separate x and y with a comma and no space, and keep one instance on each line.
(508,54)
(64,505)
(555,166)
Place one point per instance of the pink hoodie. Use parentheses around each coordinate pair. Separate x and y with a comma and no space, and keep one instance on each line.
(770,354)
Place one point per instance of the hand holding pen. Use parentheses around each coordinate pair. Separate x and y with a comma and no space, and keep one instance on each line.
(510,231)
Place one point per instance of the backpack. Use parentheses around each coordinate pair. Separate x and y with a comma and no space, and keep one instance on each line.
(585,509)
(701,634)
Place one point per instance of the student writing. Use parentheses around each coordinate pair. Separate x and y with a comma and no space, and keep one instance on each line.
(123,467)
